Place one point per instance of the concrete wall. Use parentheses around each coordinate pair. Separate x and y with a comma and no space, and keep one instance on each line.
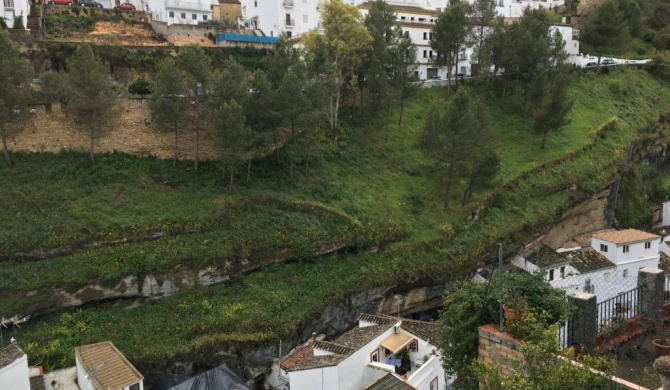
(83,380)
(15,376)
(167,29)
(325,378)
(228,12)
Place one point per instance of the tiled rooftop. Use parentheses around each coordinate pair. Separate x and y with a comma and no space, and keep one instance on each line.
(587,260)
(545,257)
(625,236)
(37,383)
(390,382)
(106,366)
(352,340)
(9,354)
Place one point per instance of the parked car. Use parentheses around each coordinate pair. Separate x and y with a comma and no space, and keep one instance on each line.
(125,7)
(590,64)
(61,2)
(608,61)
(90,3)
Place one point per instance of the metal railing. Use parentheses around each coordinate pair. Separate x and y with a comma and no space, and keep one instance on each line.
(566,333)
(620,308)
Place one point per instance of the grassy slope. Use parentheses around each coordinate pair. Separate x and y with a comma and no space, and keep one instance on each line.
(370,181)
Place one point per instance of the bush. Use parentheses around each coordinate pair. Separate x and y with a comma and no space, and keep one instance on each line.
(18,23)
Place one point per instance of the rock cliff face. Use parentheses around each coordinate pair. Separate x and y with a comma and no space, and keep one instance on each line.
(586,215)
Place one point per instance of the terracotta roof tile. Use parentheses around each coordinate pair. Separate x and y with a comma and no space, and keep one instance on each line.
(9,354)
(292,360)
(332,347)
(625,236)
(106,366)
(427,331)
(390,382)
(545,257)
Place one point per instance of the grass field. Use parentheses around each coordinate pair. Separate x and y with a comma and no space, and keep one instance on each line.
(372,187)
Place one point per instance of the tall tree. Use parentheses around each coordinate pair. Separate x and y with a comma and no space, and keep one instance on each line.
(482,17)
(552,114)
(402,65)
(197,68)
(605,29)
(294,109)
(15,73)
(91,94)
(459,135)
(450,34)
(170,101)
(232,136)
(346,41)
(261,112)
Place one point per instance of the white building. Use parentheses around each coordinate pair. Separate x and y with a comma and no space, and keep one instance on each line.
(274,17)
(16,8)
(102,367)
(606,269)
(380,350)
(661,215)
(178,11)
(14,373)
(513,9)
(571,39)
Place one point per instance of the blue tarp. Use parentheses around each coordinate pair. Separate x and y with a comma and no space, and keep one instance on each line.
(232,37)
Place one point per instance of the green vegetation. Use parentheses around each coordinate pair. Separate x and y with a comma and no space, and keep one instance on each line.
(375,182)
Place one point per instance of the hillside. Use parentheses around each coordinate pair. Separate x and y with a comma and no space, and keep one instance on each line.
(364,192)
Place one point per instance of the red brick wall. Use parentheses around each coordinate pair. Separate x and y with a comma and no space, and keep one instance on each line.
(499,348)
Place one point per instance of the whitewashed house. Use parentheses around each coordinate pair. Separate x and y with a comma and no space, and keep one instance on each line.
(365,357)
(190,12)
(16,8)
(661,215)
(14,372)
(102,367)
(607,268)
(274,17)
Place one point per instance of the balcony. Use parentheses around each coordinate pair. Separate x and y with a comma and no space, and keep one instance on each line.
(289,23)
(288,3)
(188,5)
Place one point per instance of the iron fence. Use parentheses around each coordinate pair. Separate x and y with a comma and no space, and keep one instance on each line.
(620,308)
(566,334)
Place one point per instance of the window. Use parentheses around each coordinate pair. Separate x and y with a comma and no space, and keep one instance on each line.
(422,19)
(430,35)
(562,272)
(289,34)
(425,53)
(626,249)
(204,17)
(603,248)
(414,345)
(172,14)
(412,18)
(211,8)
(255,3)
(194,16)
(183,15)
(647,245)
(9,3)
(551,275)
(430,54)
(425,36)
(588,286)
(304,18)
(374,356)
(402,18)
(433,384)
(625,273)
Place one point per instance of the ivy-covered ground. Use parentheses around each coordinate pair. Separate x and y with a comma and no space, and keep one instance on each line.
(364,189)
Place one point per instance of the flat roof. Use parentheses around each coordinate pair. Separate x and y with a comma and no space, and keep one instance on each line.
(106,366)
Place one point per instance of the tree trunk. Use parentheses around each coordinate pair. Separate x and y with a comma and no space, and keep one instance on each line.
(402,109)
(176,146)
(5,151)
(231,180)
(197,134)
(544,139)
(290,169)
(276,142)
(248,170)
(91,143)
(450,175)
(318,143)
